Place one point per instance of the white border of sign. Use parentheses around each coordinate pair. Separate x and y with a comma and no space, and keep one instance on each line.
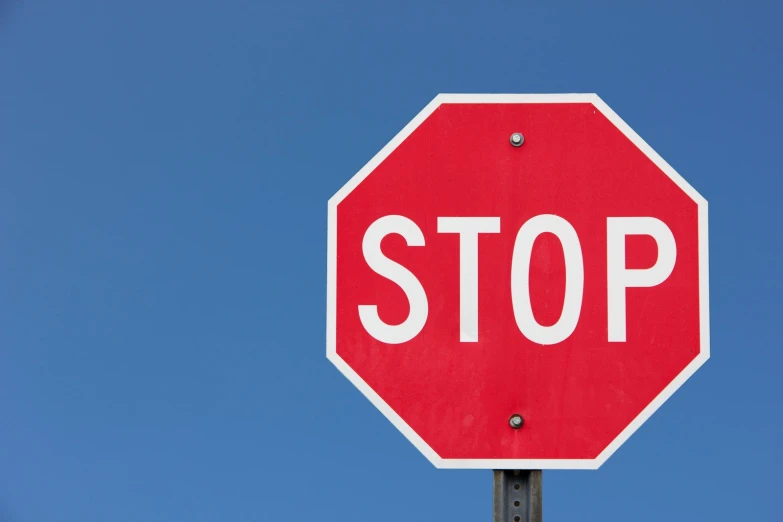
(331,295)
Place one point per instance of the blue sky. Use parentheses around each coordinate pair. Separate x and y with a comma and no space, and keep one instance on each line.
(164,172)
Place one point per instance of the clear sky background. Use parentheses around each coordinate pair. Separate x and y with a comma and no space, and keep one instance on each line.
(164,172)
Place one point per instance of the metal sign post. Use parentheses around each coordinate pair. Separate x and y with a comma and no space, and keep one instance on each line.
(518,495)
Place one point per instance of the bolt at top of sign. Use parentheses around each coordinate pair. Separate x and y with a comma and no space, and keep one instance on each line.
(517,139)
(564,289)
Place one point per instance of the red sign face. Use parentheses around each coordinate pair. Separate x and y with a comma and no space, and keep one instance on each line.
(517,281)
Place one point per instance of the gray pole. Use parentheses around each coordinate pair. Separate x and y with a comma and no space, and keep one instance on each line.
(518,495)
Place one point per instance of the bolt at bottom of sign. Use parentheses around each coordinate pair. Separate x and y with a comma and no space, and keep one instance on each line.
(516,421)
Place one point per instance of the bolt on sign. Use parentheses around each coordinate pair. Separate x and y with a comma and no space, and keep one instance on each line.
(517,281)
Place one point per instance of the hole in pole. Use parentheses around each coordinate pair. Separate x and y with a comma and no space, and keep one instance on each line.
(516,486)
(517,519)
(516,503)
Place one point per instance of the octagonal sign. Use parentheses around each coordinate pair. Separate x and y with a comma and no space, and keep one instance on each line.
(517,281)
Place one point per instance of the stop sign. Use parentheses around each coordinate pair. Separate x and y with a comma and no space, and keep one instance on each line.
(517,281)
